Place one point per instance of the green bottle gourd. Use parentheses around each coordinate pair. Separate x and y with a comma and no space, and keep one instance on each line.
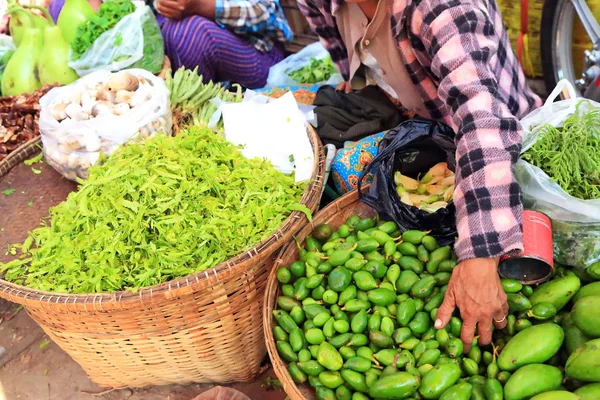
(21,72)
(53,67)
(73,14)
(20,22)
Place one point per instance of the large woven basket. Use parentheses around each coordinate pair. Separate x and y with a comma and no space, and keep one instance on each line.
(205,327)
(335,214)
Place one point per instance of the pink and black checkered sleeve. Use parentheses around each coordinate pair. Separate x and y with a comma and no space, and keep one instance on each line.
(463,43)
(319,17)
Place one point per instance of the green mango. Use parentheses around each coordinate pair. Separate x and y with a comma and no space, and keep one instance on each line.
(558,291)
(329,357)
(589,392)
(592,289)
(73,14)
(398,385)
(574,338)
(460,391)
(438,380)
(355,380)
(536,344)
(493,390)
(586,315)
(531,380)
(21,72)
(582,364)
(542,311)
(556,395)
(382,297)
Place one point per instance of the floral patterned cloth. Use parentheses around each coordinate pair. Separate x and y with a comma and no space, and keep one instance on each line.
(351,160)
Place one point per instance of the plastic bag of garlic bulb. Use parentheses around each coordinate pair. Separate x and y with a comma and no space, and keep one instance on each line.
(98,113)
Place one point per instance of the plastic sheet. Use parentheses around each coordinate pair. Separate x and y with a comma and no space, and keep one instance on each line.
(412,148)
(134,42)
(575,222)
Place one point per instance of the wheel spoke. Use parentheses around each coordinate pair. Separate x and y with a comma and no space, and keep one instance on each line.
(588,20)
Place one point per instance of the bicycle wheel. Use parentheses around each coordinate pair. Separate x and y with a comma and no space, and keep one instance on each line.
(556,31)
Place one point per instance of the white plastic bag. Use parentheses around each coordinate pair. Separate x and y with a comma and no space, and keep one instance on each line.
(123,45)
(6,45)
(575,222)
(71,146)
(279,73)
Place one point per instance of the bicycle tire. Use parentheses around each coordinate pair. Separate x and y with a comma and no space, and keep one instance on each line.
(547,43)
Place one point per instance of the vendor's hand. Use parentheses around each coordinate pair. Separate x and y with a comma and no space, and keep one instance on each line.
(476,290)
(175,9)
(345,87)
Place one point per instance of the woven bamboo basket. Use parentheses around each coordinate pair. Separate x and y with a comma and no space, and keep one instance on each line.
(335,214)
(20,154)
(204,327)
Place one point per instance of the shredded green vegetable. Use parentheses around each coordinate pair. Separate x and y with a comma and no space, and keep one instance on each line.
(156,211)
(571,155)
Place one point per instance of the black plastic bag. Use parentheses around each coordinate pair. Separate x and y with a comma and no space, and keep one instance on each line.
(412,148)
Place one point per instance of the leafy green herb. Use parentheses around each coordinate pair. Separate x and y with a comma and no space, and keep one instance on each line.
(44,344)
(33,160)
(316,71)
(36,171)
(156,211)
(571,155)
(30,203)
(8,192)
(109,13)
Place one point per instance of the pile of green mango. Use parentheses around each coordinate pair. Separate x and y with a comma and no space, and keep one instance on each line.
(355,321)
(41,56)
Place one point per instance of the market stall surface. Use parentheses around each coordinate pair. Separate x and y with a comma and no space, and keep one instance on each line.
(31,366)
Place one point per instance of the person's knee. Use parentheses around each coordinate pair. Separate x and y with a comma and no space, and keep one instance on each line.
(194,33)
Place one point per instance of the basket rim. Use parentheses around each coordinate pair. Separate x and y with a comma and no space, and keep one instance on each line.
(272,289)
(180,286)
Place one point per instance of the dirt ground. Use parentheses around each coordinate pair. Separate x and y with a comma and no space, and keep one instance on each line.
(31,366)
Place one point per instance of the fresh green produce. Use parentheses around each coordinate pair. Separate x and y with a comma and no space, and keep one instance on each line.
(586,315)
(373,310)
(190,97)
(94,25)
(21,72)
(52,64)
(558,291)
(582,364)
(589,392)
(531,380)
(315,72)
(592,289)
(557,395)
(570,155)
(20,22)
(536,344)
(74,14)
(156,211)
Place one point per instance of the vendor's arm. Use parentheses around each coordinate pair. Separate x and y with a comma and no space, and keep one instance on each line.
(461,41)
(323,23)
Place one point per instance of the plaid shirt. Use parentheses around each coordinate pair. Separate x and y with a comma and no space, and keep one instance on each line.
(459,57)
(261,21)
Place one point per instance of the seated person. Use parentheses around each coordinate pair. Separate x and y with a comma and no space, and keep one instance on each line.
(228,40)
(449,60)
